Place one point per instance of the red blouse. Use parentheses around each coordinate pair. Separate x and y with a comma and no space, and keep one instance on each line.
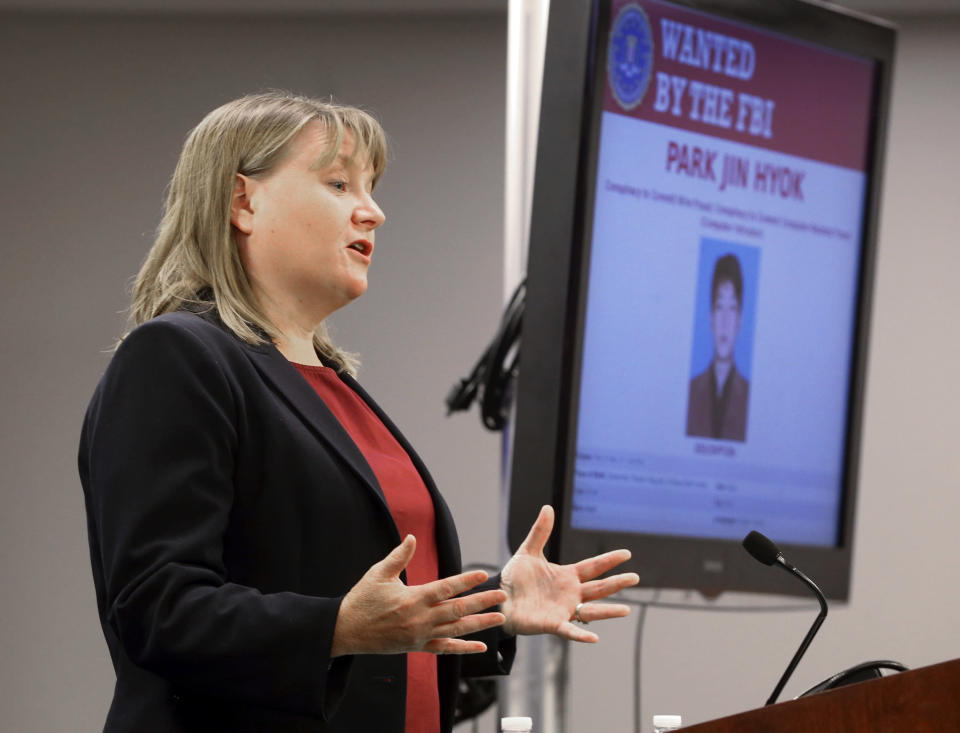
(412,510)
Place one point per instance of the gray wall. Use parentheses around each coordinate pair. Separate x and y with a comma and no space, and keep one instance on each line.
(93,111)
(93,114)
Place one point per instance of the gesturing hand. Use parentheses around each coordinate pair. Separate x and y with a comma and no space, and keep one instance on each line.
(381,615)
(542,597)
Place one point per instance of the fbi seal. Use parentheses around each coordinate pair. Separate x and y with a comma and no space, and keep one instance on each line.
(630,56)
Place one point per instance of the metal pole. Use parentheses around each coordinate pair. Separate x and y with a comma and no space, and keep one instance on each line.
(537,686)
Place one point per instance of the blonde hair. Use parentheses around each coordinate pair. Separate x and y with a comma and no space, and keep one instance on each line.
(195,257)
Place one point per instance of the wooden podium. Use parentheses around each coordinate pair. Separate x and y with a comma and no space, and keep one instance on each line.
(919,701)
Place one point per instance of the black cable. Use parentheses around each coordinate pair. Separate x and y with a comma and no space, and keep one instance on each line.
(637,654)
(492,376)
(858,673)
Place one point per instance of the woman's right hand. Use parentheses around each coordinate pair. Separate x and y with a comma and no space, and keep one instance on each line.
(381,615)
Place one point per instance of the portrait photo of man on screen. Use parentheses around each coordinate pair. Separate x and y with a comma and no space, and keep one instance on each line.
(719,395)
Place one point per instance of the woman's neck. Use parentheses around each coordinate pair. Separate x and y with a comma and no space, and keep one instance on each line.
(298,350)
(295,341)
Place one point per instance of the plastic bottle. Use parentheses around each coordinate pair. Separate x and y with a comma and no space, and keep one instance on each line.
(516,724)
(665,723)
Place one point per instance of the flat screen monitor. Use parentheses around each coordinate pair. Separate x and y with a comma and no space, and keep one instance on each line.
(698,293)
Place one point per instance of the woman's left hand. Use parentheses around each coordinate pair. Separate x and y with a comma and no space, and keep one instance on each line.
(542,597)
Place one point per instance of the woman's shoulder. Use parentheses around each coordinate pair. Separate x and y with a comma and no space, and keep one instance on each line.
(182,341)
(202,330)
(199,323)
(175,358)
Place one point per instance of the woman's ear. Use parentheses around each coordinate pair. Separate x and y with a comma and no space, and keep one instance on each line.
(241,209)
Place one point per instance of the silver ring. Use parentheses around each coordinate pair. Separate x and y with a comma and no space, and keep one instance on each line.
(577,616)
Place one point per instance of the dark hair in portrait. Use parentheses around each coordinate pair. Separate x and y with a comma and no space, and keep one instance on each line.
(727,269)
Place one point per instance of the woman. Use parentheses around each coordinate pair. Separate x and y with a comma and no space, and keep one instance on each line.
(269,553)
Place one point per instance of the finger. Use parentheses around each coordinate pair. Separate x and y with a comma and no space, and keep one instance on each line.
(539,533)
(602,611)
(594,566)
(454,646)
(596,589)
(440,590)
(454,608)
(470,624)
(570,631)
(393,564)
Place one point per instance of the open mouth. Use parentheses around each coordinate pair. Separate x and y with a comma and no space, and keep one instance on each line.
(362,246)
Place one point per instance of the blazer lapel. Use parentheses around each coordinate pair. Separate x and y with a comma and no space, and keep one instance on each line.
(448,546)
(302,398)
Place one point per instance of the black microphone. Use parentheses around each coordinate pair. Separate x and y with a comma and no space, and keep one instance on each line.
(765,551)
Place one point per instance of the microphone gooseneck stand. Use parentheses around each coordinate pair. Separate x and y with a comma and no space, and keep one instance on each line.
(810,634)
(764,550)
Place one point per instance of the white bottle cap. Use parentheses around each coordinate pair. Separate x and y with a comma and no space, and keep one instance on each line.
(667,721)
(516,723)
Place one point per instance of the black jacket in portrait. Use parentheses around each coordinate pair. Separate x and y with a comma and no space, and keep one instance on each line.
(720,415)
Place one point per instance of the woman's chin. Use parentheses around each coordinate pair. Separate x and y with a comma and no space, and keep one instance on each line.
(357,288)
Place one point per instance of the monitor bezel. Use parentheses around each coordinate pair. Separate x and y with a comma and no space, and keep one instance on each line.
(544,428)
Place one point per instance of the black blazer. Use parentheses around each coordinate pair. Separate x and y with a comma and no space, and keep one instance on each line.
(228,513)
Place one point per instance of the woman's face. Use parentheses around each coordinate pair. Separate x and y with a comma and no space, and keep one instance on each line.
(307,233)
